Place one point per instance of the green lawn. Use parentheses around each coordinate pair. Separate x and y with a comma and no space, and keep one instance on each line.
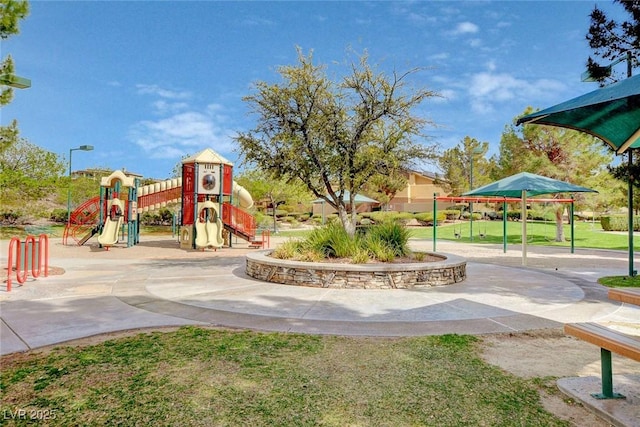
(587,235)
(205,377)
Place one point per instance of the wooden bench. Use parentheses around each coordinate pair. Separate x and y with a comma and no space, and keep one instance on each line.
(609,341)
(628,295)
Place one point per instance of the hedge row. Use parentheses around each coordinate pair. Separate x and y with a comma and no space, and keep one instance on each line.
(619,223)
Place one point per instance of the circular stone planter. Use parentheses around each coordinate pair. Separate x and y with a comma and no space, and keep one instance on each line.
(452,269)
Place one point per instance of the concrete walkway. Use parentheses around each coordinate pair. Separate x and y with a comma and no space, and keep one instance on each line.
(157,284)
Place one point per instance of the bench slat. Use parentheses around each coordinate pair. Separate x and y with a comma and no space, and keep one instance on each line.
(606,338)
(631,296)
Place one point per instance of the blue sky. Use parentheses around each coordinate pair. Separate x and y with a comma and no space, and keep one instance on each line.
(146,82)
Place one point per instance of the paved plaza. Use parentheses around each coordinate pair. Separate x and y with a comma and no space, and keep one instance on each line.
(156,284)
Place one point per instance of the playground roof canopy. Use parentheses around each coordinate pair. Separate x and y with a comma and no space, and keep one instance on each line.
(532,184)
(207,156)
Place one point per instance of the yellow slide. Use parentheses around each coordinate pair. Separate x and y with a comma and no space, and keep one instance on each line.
(242,195)
(112,224)
(208,227)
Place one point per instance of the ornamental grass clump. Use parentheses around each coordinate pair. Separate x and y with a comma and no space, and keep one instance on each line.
(333,241)
(393,234)
(382,243)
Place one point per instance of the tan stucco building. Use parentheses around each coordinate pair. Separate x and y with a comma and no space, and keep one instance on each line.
(417,196)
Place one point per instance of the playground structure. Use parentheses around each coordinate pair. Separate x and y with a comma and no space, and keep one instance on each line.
(211,207)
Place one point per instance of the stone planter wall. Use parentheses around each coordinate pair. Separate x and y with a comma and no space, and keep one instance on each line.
(452,269)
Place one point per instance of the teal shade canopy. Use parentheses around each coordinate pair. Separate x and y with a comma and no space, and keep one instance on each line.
(611,113)
(534,185)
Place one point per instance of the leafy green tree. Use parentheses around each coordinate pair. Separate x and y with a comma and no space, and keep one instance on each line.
(384,187)
(335,136)
(456,164)
(11,12)
(28,173)
(276,191)
(557,153)
(82,188)
(611,40)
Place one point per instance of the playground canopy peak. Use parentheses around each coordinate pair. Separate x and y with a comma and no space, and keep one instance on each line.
(527,185)
(207,156)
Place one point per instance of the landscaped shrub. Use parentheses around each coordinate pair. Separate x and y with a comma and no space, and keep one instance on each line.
(379,249)
(316,219)
(380,242)
(162,216)
(381,216)
(541,214)
(9,218)
(58,215)
(385,216)
(476,216)
(333,241)
(395,235)
(514,215)
(451,214)
(426,218)
(619,223)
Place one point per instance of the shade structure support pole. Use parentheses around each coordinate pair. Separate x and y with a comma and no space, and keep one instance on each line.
(571,221)
(632,271)
(435,220)
(523,218)
(504,226)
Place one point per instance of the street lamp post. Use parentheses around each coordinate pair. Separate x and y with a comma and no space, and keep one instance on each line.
(15,81)
(81,148)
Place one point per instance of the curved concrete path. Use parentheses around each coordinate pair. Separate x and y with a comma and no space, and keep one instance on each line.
(157,284)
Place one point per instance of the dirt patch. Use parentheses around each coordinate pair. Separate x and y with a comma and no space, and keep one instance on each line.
(547,354)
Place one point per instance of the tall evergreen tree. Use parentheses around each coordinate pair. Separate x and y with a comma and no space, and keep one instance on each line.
(611,40)
(11,12)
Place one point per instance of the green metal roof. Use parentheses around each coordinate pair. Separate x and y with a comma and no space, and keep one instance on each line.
(533,184)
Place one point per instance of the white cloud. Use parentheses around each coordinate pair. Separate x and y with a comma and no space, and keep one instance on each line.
(466,28)
(182,128)
(163,107)
(161,92)
(446,95)
(488,89)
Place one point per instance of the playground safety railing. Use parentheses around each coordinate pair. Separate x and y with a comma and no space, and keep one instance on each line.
(82,221)
(241,222)
(39,257)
